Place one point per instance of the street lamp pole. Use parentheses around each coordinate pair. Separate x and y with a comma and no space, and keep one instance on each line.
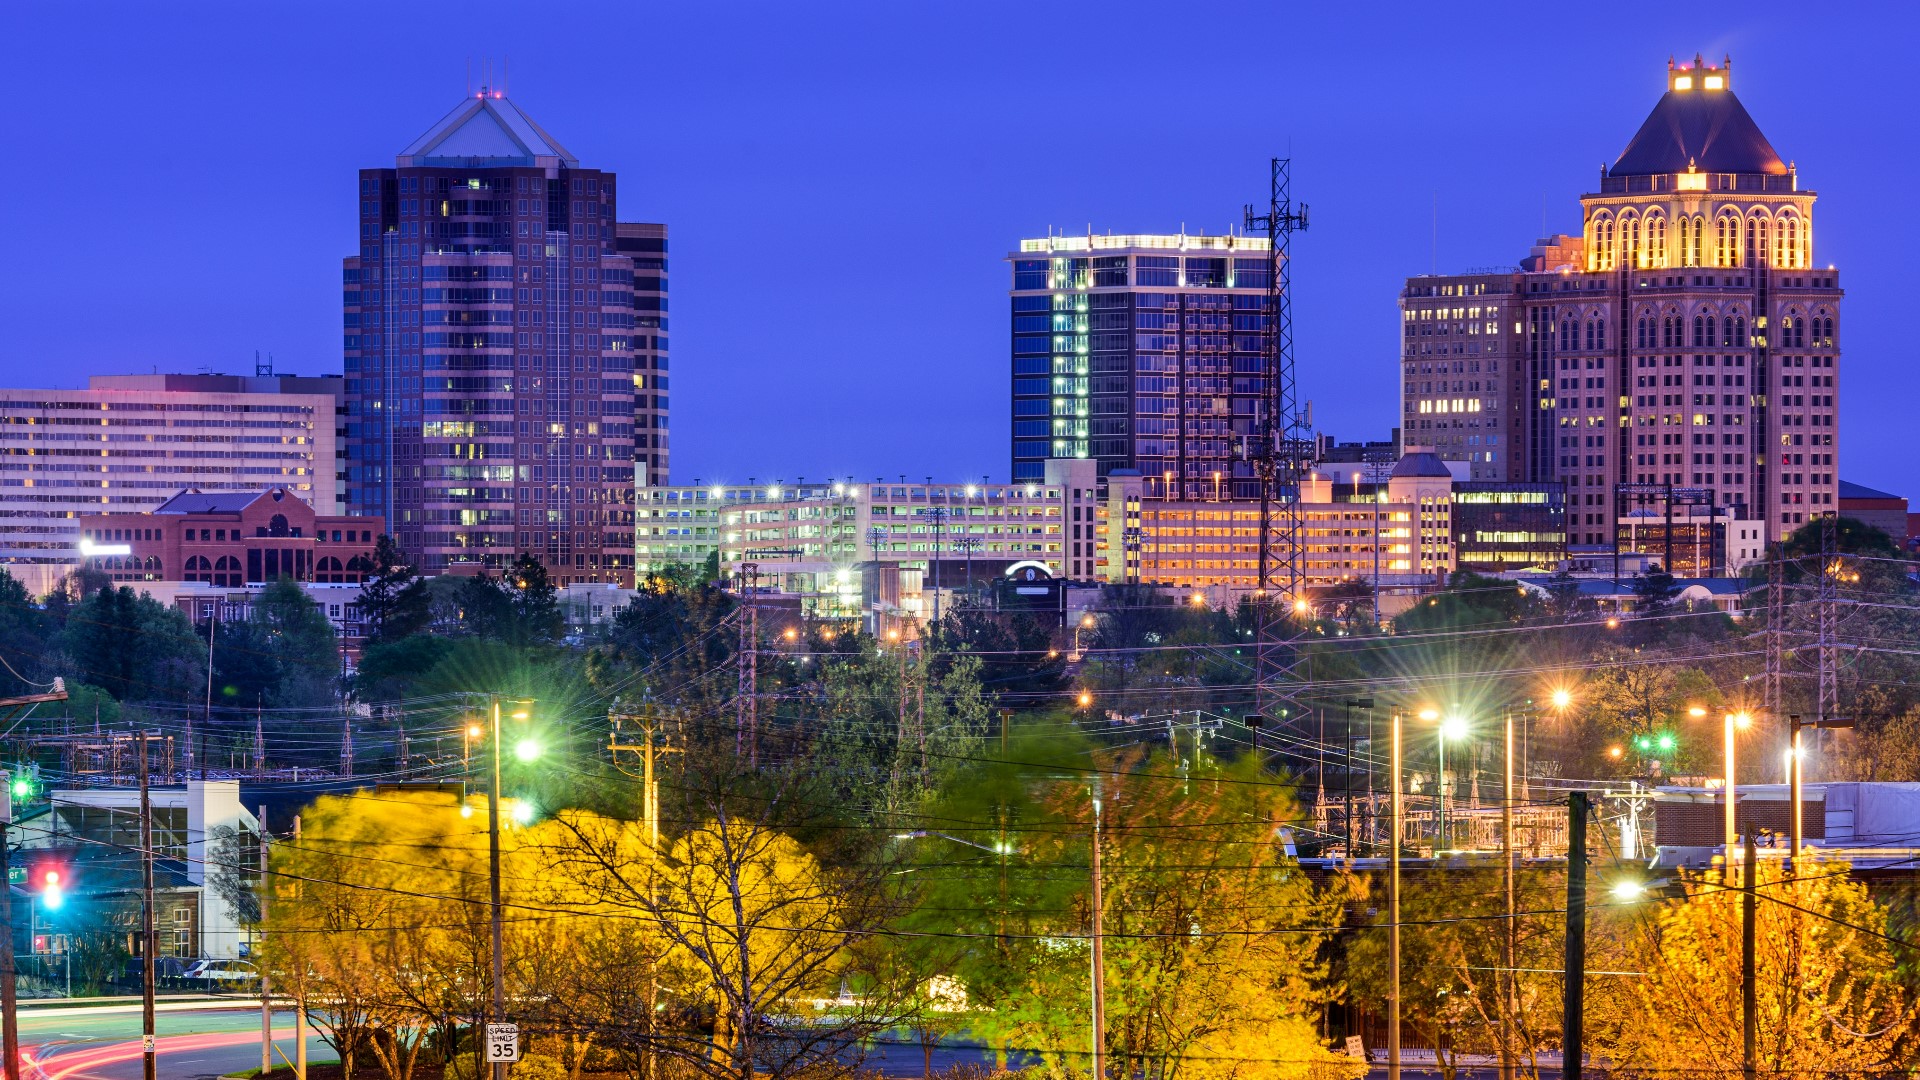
(1511,936)
(1393,910)
(1731,828)
(493,883)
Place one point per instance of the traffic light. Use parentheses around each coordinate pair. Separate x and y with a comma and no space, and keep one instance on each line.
(51,881)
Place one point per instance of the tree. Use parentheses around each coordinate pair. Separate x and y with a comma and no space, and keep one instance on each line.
(1832,998)
(757,937)
(377,922)
(133,646)
(1653,593)
(1214,938)
(393,599)
(1454,992)
(23,635)
(537,618)
(486,608)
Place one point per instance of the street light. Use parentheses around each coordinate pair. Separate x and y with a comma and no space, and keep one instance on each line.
(497,928)
(1734,721)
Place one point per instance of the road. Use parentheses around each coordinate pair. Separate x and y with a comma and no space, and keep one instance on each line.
(102,1042)
(197,1042)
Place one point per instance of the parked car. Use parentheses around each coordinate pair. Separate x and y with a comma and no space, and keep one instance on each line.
(220,971)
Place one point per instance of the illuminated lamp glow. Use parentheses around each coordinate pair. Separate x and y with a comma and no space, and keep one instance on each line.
(89,548)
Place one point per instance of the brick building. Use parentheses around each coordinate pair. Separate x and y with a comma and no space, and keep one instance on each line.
(230,539)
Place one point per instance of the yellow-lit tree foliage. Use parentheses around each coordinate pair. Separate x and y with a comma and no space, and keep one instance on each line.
(1831,1001)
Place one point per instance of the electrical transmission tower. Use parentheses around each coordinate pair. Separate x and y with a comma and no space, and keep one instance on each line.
(1281,452)
(1828,597)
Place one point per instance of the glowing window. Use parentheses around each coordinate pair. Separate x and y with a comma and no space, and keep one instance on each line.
(1714,82)
(1683,82)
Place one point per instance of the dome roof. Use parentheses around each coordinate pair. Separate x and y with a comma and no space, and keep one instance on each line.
(1421,463)
(1698,125)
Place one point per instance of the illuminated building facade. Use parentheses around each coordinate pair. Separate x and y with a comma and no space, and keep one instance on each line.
(1140,352)
(1397,535)
(822,542)
(1686,338)
(231,539)
(128,443)
(1463,380)
(505,351)
(1500,526)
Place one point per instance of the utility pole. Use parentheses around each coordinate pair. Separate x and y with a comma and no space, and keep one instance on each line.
(646,749)
(300,1000)
(920,715)
(493,885)
(346,745)
(259,741)
(1511,950)
(1749,1029)
(746,738)
(146,917)
(1352,704)
(1576,947)
(266,988)
(1393,910)
(213,620)
(9,1004)
(1099,952)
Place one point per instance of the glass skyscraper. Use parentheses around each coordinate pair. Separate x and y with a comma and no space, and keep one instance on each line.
(1142,353)
(502,381)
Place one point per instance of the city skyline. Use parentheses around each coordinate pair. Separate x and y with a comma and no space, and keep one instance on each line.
(758,155)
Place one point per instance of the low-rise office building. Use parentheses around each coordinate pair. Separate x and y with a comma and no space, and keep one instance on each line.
(230,539)
(1395,536)
(846,546)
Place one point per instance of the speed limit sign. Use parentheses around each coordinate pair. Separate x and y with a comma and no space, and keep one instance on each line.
(503,1042)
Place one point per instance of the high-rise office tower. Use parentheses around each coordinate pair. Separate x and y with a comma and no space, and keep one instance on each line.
(1685,346)
(1140,352)
(494,360)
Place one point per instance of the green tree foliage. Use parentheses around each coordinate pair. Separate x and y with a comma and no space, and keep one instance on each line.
(1016,651)
(666,645)
(285,655)
(133,647)
(537,618)
(23,634)
(393,600)
(1214,938)
(1456,993)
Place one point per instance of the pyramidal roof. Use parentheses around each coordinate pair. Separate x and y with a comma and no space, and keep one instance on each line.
(1698,125)
(487,129)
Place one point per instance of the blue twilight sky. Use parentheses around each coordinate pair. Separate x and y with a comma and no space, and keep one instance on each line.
(843,182)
